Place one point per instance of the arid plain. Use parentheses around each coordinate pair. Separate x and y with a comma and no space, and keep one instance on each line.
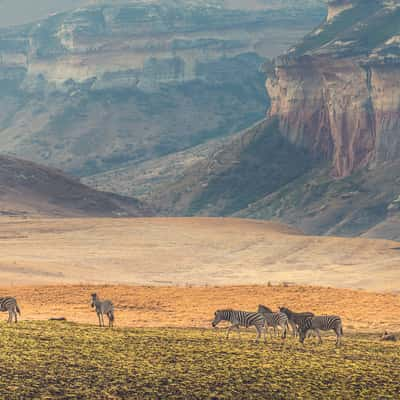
(192,251)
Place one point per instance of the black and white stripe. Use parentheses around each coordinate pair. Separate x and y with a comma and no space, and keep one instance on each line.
(274,319)
(9,304)
(295,319)
(240,318)
(323,323)
(103,307)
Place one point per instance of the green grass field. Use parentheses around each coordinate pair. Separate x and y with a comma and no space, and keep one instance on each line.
(52,360)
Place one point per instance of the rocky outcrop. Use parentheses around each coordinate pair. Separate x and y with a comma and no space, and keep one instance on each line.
(336,7)
(341,100)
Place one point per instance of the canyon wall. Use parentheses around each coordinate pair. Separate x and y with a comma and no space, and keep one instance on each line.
(337,99)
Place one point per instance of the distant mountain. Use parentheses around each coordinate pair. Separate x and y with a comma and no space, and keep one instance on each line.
(30,189)
(117,84)
(327,158)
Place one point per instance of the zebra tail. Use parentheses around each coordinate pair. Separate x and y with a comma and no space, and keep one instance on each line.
(18,310)
(341,330)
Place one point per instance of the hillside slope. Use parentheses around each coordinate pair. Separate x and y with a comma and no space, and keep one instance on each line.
(30,189)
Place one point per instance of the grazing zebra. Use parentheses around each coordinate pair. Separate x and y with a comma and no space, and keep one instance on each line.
(9,304)
(103,307)
(240,318)
(323,323)
(274,319)
(295,319)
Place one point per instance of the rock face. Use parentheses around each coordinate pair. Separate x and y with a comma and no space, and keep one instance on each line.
(338,93)
(336,7)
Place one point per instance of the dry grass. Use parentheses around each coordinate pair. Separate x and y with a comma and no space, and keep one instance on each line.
(197,251)
(194,307)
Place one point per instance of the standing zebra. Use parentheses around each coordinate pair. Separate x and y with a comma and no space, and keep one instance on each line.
(103,307)
(240,318)
(323,323)
(9,304)
(295,319)
(274,319)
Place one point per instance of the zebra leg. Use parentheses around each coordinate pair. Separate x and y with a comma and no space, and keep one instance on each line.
(294,329)
(15,316)
(264,334)
(98,315)
(238,331)
(284,327)
(270,331)
(338,336)
(10,316)
(319,336)
(229,330)
(258,333)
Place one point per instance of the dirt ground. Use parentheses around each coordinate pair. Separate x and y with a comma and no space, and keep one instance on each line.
(194,251)
(146,306)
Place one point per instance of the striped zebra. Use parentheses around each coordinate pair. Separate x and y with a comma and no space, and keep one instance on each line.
(9,304)
(241,318)
(103,307)
(274,320)
(295,319)
(323,323)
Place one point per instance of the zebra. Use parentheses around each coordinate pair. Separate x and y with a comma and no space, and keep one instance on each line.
(241,318)
(9,304)
(324,323)
(103,307)
(295,319)
(274,319)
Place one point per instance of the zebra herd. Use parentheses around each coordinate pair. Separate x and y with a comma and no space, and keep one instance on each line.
(301,323)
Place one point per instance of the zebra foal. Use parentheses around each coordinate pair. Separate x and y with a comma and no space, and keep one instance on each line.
(323,323)
(241,318)
(103,307)
(274,319)
(9,304)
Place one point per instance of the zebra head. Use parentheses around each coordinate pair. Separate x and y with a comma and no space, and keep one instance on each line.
(94,299)
(284,310)
(304,328)
(218,317)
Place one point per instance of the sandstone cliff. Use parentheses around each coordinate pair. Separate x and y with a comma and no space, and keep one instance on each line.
(338,93)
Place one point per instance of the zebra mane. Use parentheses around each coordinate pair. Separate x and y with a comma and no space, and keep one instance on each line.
(264,309)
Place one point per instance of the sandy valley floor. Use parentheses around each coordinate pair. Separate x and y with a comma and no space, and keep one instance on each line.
(179,251)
